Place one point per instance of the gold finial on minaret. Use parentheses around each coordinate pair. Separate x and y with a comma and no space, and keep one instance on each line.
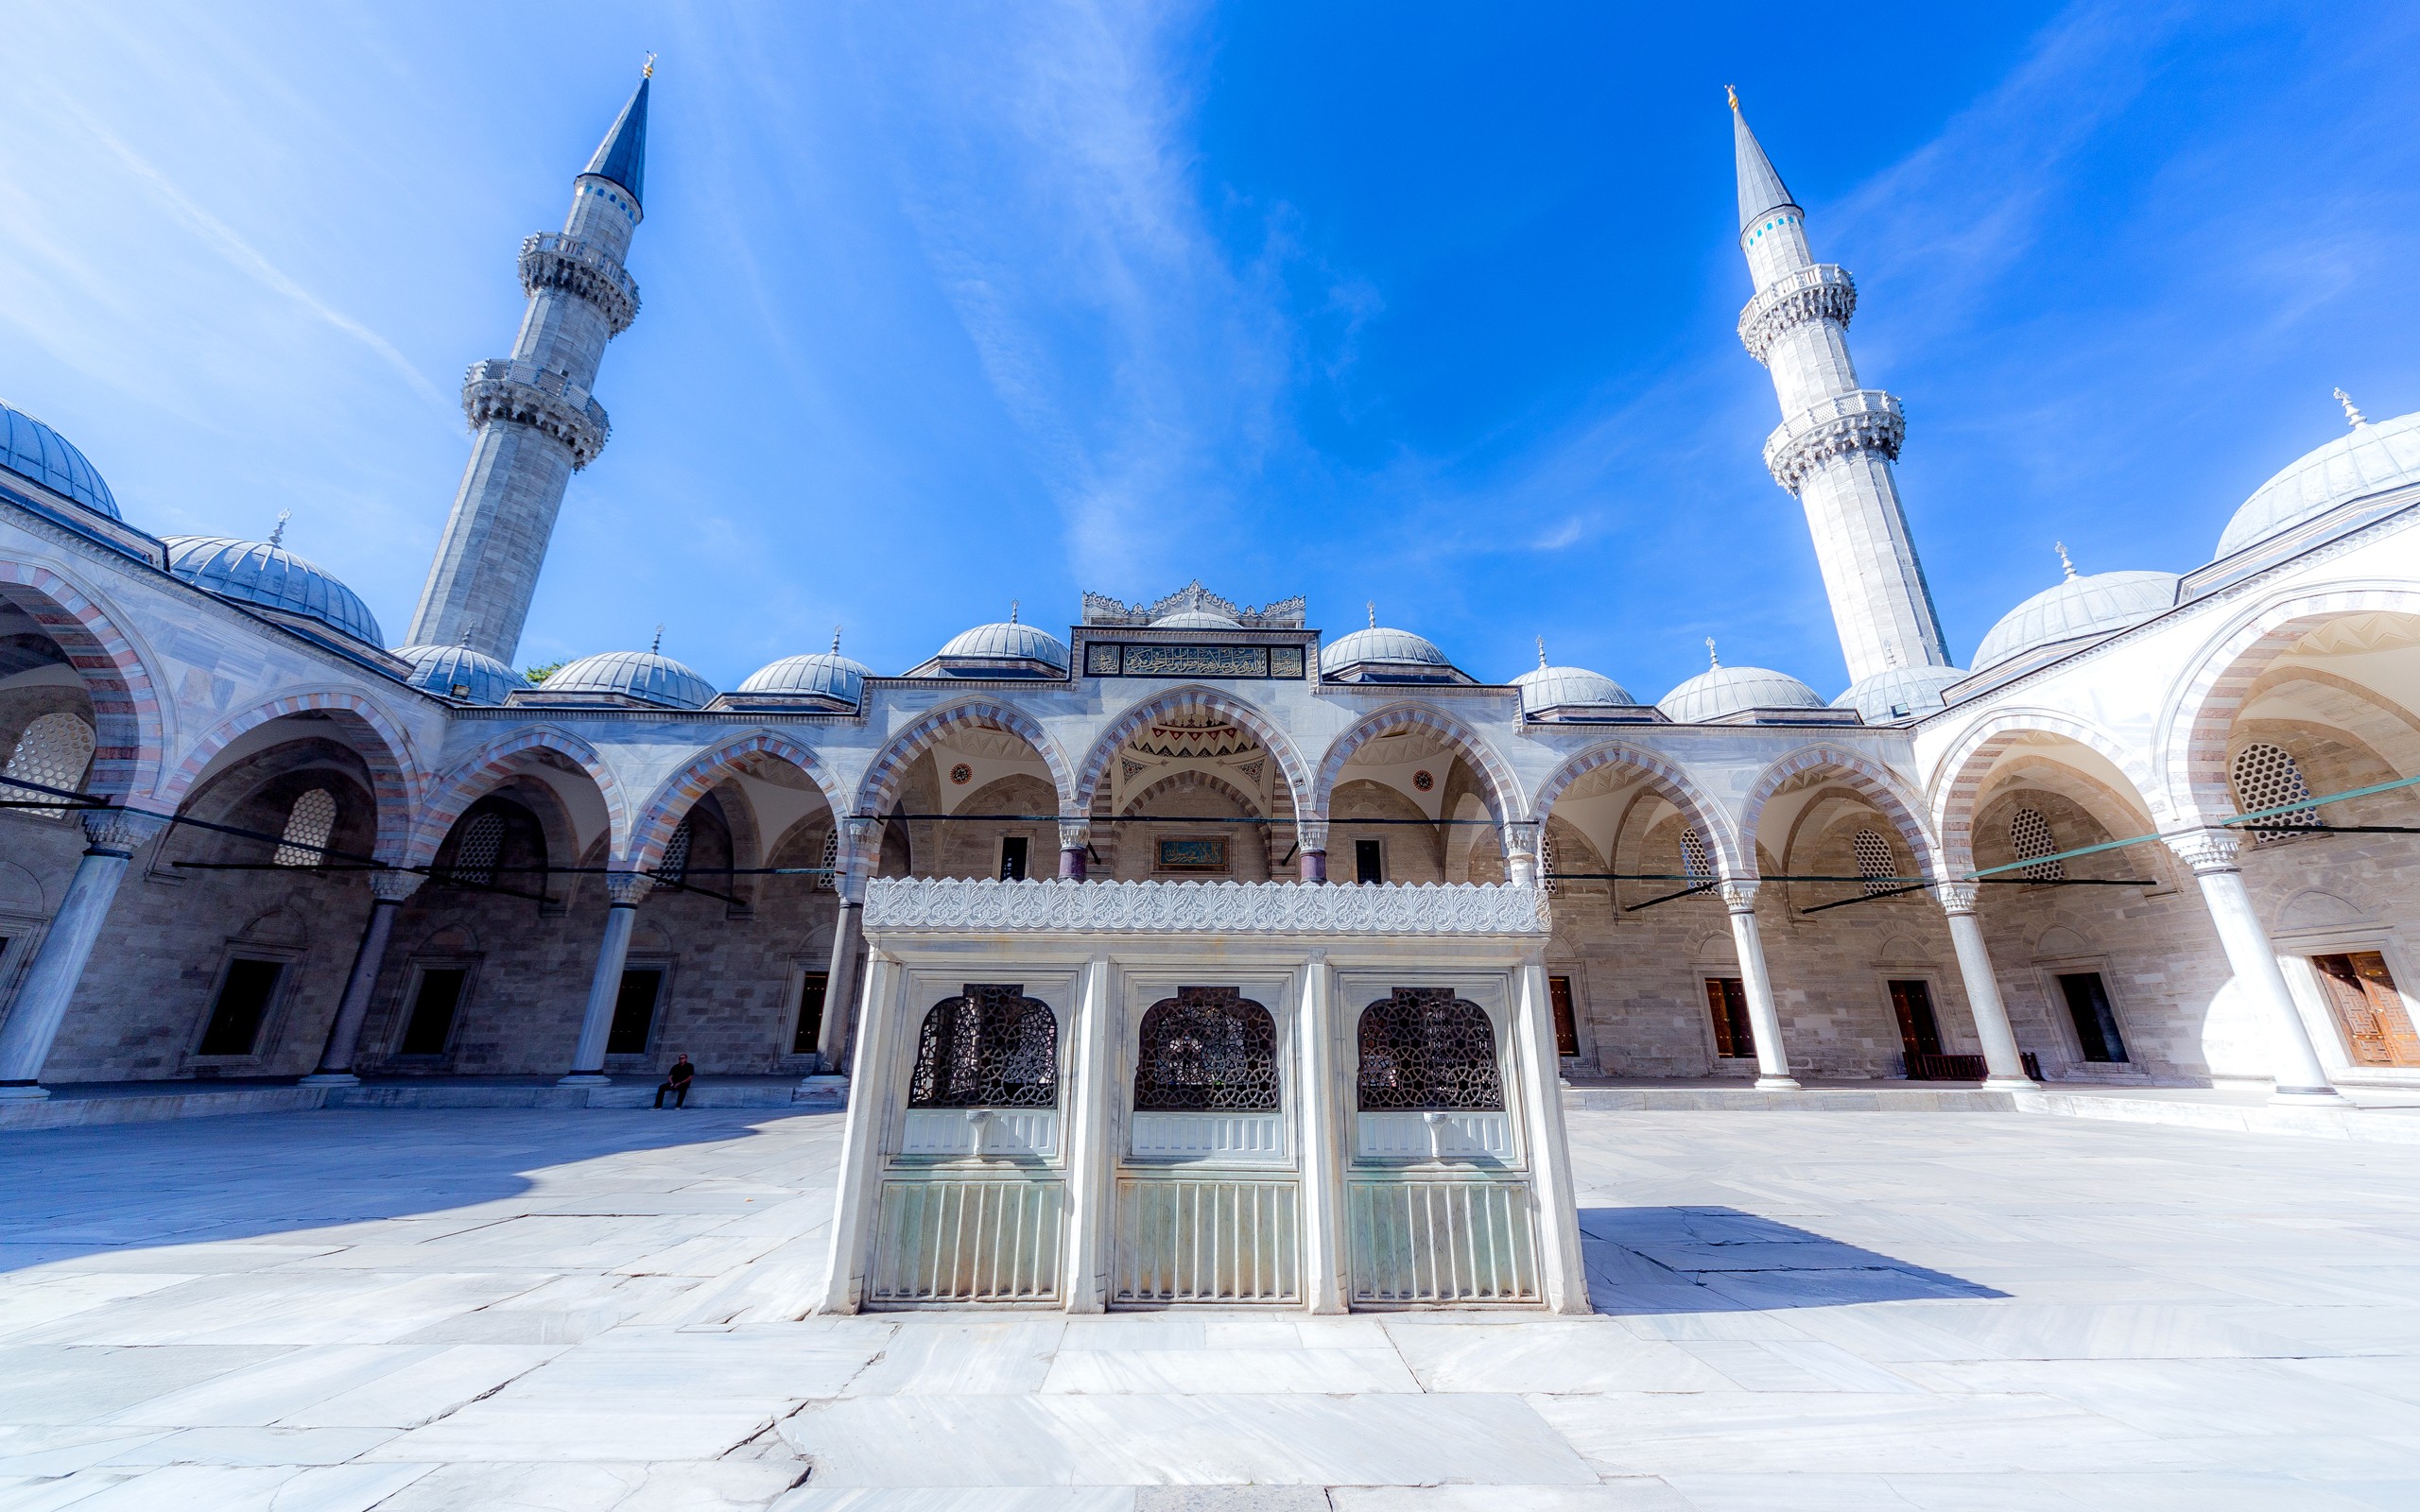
(2061,547)
(2352,416)
(1732,94)
(649,72)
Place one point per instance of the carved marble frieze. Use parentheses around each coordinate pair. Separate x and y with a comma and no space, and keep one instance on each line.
(985,906)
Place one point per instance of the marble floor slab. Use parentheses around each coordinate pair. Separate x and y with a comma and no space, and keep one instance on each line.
(410,1310)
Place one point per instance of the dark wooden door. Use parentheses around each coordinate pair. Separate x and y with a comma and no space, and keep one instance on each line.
(2096,1021)
(1566,1021)
(2369,1010)
(1726,1002)
(1911,1005)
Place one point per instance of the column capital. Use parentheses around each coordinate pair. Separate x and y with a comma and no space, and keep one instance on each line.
(2208,852)
(860,829)
(1740,896)
(1521,837)
(1312,834)
(627,889)
(1075,833)
(394,886)
(1959,897)
(119,832)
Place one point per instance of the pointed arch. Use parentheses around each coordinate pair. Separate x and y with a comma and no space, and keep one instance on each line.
(1503,790)
(1174,703)
(2193,729)
(471,777)
(1195,777)
(396,781)
(1868,777)
(130,752)
(881,781)
(1668,781)
(1957,782)
(678,793)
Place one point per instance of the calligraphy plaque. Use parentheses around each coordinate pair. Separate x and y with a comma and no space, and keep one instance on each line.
(1206,854)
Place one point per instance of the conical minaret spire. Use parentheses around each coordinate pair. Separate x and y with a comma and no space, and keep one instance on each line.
(1838,438)
(533,417)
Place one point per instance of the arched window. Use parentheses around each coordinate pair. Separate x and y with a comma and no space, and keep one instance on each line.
(2030,832)
(1206,1049)
(674,868)
(2267,778)
(1425,1048)
(989,1047)
(482,844)
(830,880)
(53,752)
(307,824)
(1873,861)
(1695,862)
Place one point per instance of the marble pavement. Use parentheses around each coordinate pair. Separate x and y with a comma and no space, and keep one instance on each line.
(331,1311)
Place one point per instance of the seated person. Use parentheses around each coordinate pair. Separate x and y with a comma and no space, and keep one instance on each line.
(676,1081)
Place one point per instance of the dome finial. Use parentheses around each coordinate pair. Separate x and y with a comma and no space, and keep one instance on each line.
(656,645)
(835,640)
(1714,662)
(2352,416)
(1373,607)
(465,640)
(2061,547)
(277,536)
(1541,653)
(1732,93)
(1012,611)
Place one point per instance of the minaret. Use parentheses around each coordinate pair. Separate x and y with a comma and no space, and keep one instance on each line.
(531,413)
(1837,439)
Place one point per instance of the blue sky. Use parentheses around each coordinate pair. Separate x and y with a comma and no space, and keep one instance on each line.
(947,305)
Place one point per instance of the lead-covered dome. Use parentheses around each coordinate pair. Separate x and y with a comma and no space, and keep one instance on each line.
(825,676)
(459,673)
(265,576)
(1381,655)
(2368,458)
(1570,693)
(1721,692)
(1899,693)
(1009,649)
(2082,607)
(33,451)
(647,676)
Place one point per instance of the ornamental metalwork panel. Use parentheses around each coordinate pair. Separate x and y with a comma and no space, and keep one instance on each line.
(1431,1242)
(990,1046)
(1207,1049)
(1216,1241)
(967,1241)
(1425,1048)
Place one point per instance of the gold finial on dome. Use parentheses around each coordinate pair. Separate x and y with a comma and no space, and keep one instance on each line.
(1732,94)
(2352,417)
(2061,547)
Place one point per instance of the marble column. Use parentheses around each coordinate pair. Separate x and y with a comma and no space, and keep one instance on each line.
(1323,1094)
(858,838)
(1764,1017)
(1521,852)
(2001,1058)
(1092,1163)
(388,890)
(1311,844)
(1075,836)
(870,1100)
(1563,1271)
(111,836)
(623,890)
(2211,853)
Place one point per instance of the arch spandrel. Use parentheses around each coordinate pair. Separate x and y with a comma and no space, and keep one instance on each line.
(1662,777)
(880,783)
(509,755)
(131,717)
(1190,699)
(396,781)
(1501,789)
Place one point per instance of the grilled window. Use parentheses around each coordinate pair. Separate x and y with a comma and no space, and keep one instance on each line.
(2267,778)
(1425,1048)
(830,862)
(1694,859)
(476,856)
(307,825)
(1873,861)
(1545,862)
(990,1046)
(1206,1049)
(53,752)
(2030,832)
(674,868)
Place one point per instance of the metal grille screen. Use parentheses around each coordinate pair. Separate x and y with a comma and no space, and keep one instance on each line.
(1874,860)
(1425,1048)
(2030,832)
(2267,778)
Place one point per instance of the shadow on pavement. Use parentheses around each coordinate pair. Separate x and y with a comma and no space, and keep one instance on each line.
(1720,1260)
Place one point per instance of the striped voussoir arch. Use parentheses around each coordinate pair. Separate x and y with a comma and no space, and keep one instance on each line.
(1712,825)
(2193,757)
(473,777)
(881,784)
(1178,703)
(369,730)
(1958,783)
(676,794)
(1503,790)
(1869,777)
(129,755)
(1194,780)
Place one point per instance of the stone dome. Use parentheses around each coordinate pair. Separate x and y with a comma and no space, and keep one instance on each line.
(2364,460)
(1898,693)
(649,676)
(33,451)
(1381,655)
(459,673)
(1009,649)
(1725,691)
(2079,609)
(1197,619)
(267,576)
(826,675)
(1546,691)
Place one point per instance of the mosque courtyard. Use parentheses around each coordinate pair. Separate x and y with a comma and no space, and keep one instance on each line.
(489,1308)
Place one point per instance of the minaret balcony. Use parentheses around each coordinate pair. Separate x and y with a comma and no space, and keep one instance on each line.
(1866,421)
(1821,291)
(551,259)
(523,393)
